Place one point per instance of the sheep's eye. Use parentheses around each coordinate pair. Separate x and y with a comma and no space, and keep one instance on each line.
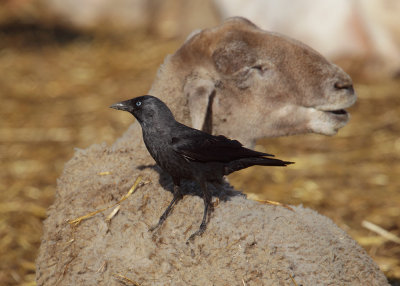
(258,67)
(138,103)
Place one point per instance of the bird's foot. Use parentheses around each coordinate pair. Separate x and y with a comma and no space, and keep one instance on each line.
(153,228)
(156,226)
(199,232)
(177,198)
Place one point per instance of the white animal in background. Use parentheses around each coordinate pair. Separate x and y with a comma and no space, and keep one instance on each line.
(368,30)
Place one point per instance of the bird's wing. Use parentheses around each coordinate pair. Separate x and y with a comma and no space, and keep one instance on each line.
(202,147)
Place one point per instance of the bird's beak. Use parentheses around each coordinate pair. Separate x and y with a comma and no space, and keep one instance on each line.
(123,105)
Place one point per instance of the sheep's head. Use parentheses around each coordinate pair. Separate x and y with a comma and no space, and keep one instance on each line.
(247,83)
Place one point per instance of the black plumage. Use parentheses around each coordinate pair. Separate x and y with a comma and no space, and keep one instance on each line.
(187,153)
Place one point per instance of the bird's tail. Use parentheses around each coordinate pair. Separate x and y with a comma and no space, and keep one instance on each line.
(237,165)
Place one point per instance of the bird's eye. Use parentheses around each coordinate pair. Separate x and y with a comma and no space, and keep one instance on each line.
(138,103)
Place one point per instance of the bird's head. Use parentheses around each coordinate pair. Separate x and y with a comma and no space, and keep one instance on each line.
(146,109)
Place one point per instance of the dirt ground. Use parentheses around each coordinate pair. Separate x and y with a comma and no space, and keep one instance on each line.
(55,89)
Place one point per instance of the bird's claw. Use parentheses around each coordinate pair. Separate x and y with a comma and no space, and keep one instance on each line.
(156,226)
(199,232)
(153,228)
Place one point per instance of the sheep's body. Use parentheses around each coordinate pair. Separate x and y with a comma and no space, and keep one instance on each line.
(245,242)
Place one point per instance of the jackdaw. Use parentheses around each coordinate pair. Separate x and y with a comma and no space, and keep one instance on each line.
(187,153)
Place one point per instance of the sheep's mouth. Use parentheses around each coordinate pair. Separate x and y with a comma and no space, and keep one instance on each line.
(338,112)
(338,115)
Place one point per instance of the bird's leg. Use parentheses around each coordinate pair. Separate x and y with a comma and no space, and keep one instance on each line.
(207,196)
(177,197)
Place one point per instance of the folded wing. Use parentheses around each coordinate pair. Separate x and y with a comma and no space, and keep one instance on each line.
(203,147)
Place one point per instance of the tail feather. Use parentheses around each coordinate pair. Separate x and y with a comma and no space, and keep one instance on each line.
(240,164)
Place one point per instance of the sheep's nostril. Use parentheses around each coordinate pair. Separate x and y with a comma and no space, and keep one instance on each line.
(344,85)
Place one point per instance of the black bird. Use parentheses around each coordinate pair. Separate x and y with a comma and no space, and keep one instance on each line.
(187,153)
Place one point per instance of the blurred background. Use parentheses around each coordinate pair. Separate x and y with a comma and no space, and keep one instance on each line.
(63,62)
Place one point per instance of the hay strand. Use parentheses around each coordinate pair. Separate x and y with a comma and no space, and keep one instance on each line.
(77,221)
(125,280)
(379,230)
(274,204)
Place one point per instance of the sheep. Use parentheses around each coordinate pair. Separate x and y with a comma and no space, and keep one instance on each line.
(246,243)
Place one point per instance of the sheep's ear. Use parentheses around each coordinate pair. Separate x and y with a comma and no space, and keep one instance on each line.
(200,93)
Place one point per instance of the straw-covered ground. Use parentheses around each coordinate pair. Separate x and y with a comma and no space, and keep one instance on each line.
(55,89)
